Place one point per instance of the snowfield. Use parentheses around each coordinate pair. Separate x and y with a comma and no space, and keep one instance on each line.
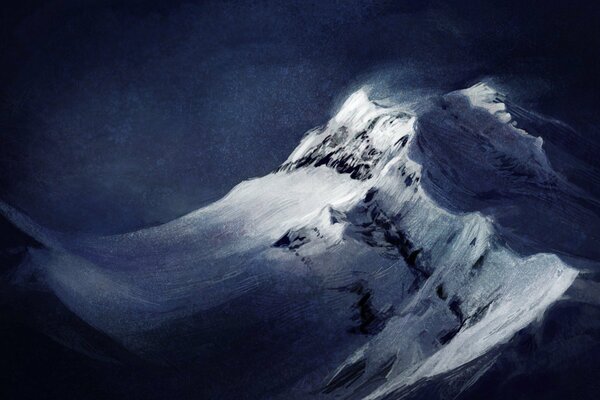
(370,260)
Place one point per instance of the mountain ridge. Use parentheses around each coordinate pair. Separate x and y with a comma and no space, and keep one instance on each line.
(362,233)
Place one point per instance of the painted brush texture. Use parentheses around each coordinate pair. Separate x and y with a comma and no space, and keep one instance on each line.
(400,243)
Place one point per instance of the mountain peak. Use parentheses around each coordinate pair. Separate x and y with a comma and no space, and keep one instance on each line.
(482,95)
(357,110)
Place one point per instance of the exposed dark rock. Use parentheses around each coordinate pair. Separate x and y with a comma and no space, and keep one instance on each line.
(441,292)
(291,240)
(449,335)
(346,376)
(379,230)
(454,305)
(370,194)
(409,180)
(402,141)
(412,257)
(479,313)
(479,262)
(456,310)
(370,320)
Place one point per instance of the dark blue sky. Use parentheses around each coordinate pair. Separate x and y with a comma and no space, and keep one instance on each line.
(116,116)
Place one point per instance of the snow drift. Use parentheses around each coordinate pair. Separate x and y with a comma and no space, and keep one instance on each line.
(378,255)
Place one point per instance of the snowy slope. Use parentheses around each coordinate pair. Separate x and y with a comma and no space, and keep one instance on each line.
(368,261)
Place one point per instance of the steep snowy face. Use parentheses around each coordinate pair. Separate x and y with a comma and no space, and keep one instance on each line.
(467,291)
(358,141)
(466,139)
(370,260)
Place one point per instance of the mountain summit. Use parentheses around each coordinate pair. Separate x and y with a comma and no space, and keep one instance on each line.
(378,255)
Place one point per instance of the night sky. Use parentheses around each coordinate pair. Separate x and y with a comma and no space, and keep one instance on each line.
(119,115)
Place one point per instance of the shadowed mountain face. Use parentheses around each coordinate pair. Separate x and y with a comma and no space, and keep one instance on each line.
(402,250)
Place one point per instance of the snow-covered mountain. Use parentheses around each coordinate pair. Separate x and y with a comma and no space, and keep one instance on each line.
(379,254)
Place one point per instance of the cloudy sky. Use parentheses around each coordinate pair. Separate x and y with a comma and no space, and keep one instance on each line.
(116,116)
